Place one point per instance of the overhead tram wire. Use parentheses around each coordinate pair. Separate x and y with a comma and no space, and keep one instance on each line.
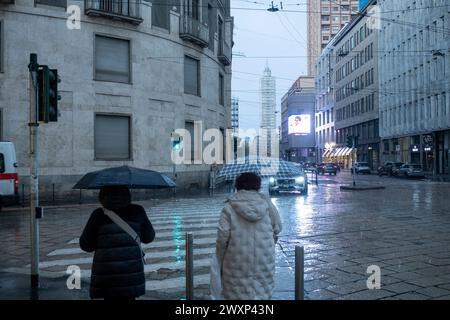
(293,26)
(284,4)
(293,37)
(405,23)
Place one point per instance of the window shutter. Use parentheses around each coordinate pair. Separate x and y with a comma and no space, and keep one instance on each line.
(112,137)
(191,76)
(112,59)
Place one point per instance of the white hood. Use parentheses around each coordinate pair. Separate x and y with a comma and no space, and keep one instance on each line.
(250,205)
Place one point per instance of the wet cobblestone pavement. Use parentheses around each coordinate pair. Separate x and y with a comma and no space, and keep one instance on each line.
(403,229)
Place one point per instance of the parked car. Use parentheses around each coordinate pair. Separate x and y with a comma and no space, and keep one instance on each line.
(411,170)
(361,167)
(389,168)
(9,179)
(327,167)
(309,166)
(294,184)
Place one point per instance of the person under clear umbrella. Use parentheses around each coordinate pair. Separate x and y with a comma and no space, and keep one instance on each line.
(118,268)
(245,247)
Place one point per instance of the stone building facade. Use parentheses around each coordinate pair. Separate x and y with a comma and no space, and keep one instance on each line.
(356,88)
(325,131)
(325,19)
(130,75)
(414,95)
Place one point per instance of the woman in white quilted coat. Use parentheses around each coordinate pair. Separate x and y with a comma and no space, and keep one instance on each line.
(245,247)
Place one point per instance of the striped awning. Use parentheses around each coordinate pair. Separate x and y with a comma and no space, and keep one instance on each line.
(343,152)
(347,152)
(327,153)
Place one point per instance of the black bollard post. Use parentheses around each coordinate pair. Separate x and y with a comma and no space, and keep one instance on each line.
(189,266)
(299,273)
(23,195)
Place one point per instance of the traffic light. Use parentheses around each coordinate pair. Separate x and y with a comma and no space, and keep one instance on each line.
(48,94)
(350,141)
(176,141)
(176,144)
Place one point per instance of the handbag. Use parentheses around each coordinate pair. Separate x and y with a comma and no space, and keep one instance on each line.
(126,227)
(216,279)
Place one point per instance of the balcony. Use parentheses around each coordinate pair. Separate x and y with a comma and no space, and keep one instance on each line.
(193,30)
(224,54)
(123,10)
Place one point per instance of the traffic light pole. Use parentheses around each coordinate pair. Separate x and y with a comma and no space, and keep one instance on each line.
(34,172)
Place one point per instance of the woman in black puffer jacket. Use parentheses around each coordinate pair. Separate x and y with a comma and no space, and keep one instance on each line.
(117,269)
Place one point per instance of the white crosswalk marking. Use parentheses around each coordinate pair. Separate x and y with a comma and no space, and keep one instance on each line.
(165,256)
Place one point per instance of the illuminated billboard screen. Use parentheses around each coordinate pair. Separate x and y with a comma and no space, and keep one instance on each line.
(299,124)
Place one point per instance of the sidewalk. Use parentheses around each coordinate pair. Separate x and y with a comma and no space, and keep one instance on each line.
(15,286)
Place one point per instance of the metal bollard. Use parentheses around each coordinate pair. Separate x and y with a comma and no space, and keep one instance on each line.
(189,267)
(299,273)
(23,195)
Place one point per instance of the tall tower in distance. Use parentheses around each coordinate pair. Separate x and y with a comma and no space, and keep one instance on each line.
(235,114)
(268,100)
(325,19)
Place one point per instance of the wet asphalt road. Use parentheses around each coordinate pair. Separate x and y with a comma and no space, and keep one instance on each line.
(403,230)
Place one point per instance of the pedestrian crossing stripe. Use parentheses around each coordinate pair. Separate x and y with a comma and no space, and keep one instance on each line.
(165,255)
(166,244)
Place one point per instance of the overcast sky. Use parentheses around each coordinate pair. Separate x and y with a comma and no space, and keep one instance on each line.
(263,36)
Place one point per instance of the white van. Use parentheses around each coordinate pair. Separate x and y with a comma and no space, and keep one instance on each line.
(9,179)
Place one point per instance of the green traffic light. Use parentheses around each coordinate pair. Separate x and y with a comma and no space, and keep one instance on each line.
(48,94)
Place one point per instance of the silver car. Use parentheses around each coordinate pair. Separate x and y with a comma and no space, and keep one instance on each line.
(411,170)
(361,167)
(292,184)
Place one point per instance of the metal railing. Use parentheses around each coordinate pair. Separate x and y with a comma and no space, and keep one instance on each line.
(193,30)
(129,10)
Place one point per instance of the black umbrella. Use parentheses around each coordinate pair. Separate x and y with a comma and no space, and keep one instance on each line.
(134,178)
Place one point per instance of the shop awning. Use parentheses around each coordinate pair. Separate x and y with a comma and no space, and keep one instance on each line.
(347,152)
(343,152)
(326,153)
(338,152)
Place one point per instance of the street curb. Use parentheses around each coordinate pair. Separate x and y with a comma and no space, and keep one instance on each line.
(349,188)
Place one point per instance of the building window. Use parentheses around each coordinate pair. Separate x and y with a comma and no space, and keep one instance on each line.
(1,45)
(160,14)
(195,10)
(112,59)
(191,76)
(221,90)
(53,3)
(112,137)
(192,153)
(1,124)
(443,105)
(212,26)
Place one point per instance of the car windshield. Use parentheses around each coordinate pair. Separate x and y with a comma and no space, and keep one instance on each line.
(415,166)
(398,164)
(329,164)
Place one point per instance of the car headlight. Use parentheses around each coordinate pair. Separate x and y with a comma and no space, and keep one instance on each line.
(300,180)
(272,180)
